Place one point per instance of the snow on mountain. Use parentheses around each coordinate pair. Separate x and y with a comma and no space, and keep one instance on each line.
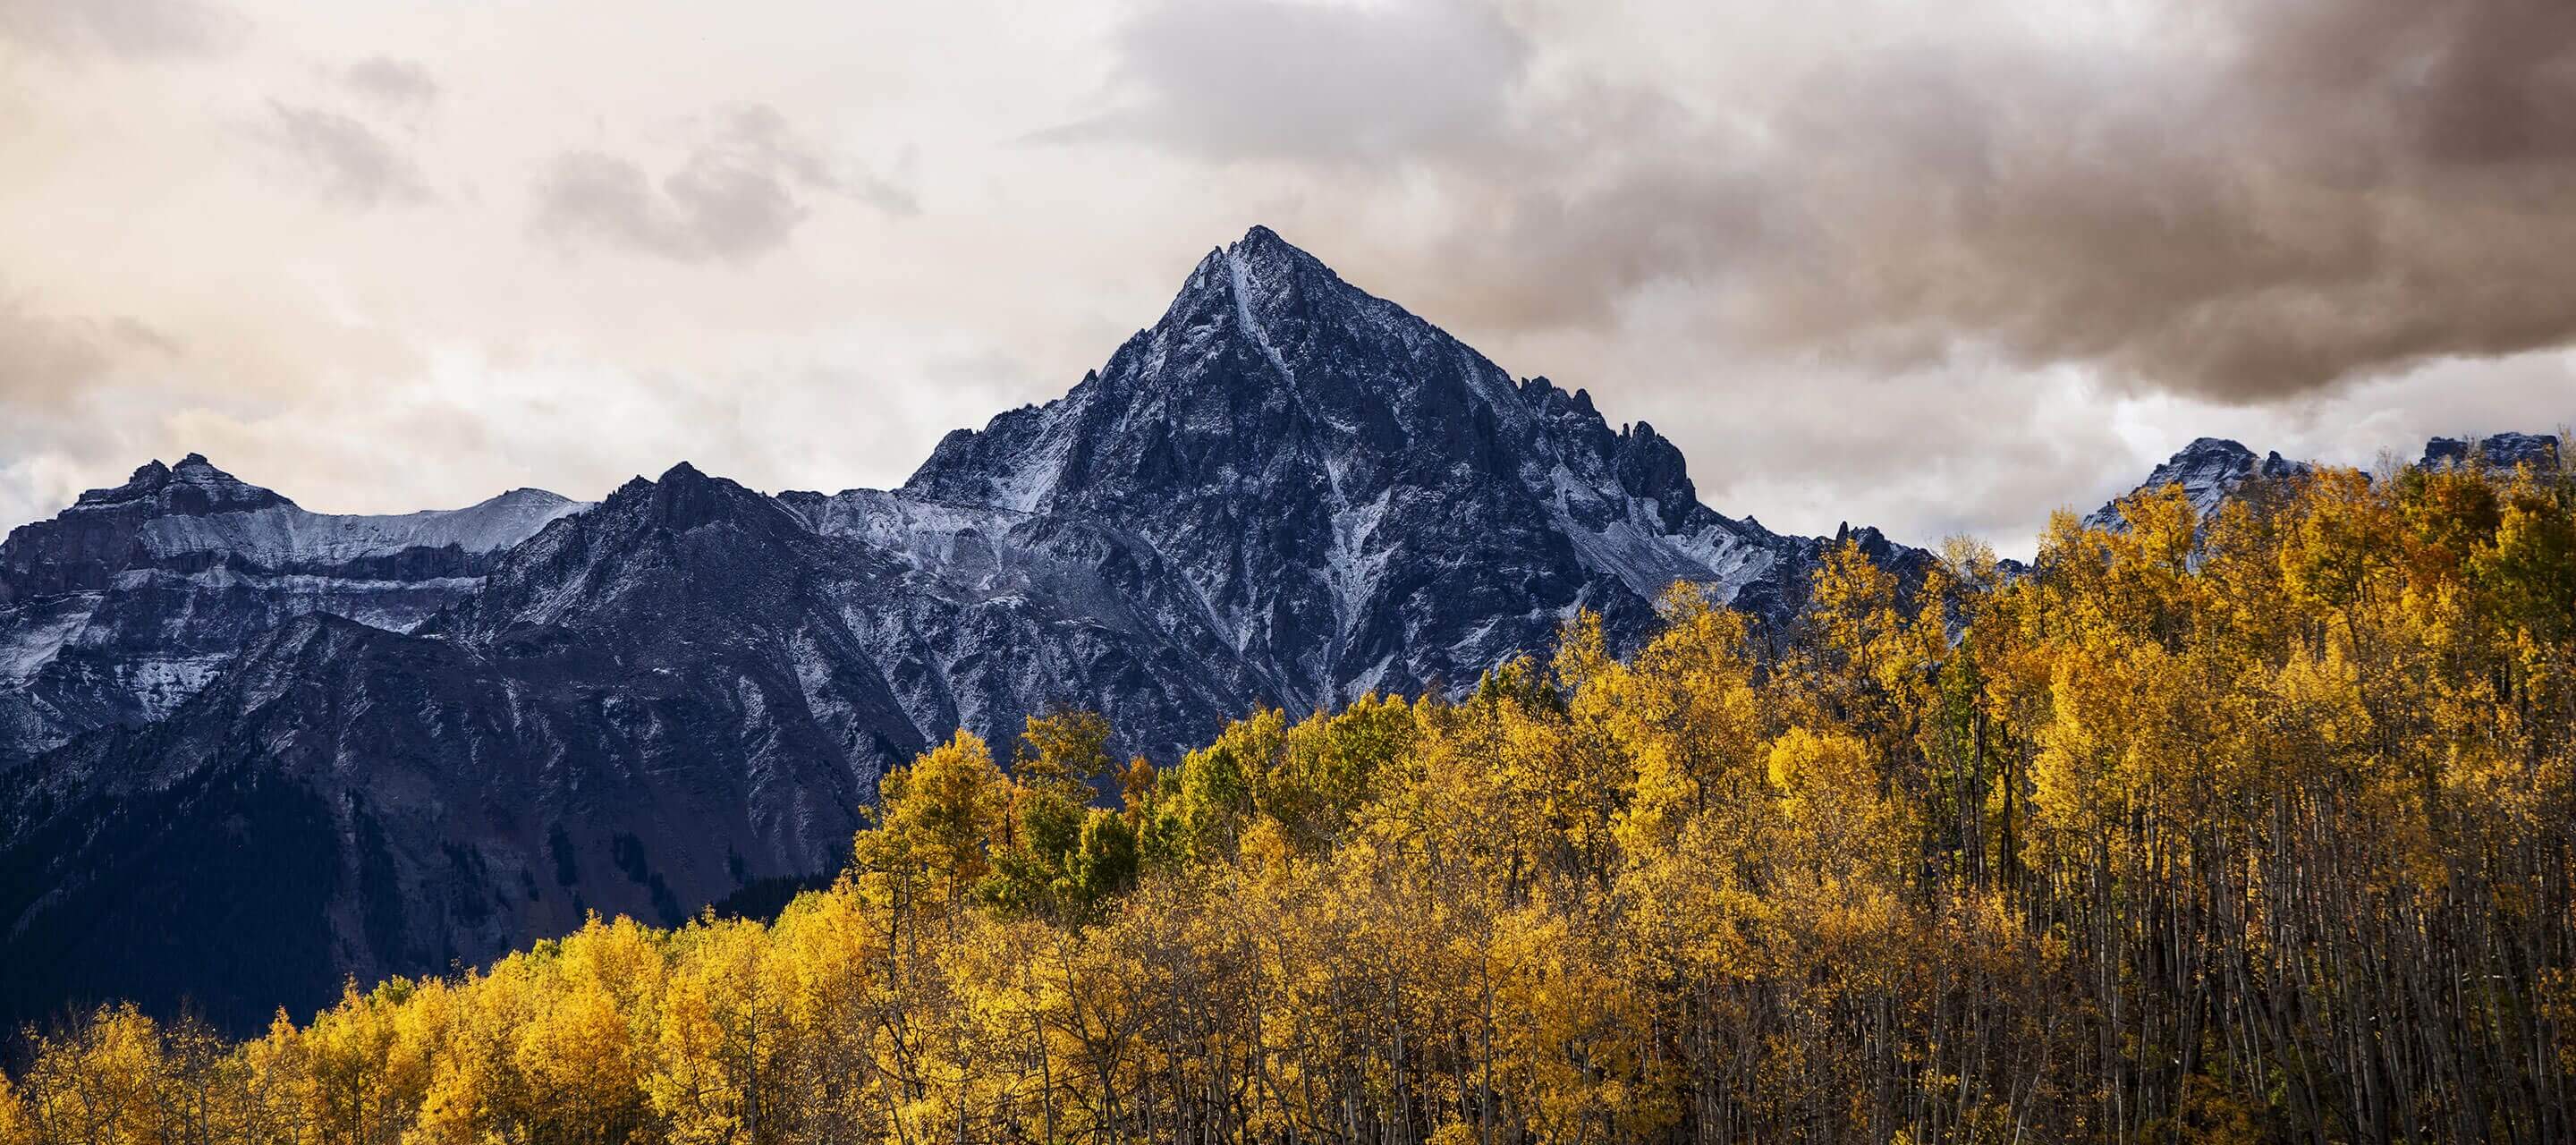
(287,536)
(2210,469)
(126,603)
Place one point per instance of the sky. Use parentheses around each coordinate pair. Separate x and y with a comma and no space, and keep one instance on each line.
(1938,268)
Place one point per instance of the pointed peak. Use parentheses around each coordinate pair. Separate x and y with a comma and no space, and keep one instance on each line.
(1263,251)
(148,479)
(678,480)
(2205,446)
(192,487)
(1260,241)
(685,498)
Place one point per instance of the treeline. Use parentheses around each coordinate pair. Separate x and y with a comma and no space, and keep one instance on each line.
(2256,829)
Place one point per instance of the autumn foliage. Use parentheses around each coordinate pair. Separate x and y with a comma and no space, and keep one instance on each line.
(2252,829)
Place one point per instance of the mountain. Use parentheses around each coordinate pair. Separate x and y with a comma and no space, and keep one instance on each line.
(607,726)
(127,603)
(2212,470)
(2497,451)
(1336,496)
(1286,491)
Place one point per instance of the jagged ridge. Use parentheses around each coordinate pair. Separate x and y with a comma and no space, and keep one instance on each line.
(120,608)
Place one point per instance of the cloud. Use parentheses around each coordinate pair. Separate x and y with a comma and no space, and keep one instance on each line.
(395,85)
(740,194)
(2239,202)
(351,161)
(136,332)
(44,360)
(2307,196)
(1332,83)
(133,29)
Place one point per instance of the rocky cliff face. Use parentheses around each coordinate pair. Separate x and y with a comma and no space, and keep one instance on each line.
(120,608)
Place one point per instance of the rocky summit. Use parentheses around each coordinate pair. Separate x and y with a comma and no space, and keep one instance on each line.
(2210,470)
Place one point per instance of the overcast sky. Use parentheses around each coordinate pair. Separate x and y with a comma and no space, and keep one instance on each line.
(1937,267)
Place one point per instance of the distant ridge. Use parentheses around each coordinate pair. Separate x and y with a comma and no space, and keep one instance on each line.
(2212,469)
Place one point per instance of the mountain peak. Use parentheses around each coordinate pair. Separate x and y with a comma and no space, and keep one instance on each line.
(2213,447)
(148,478)
(1248,283)
(194,487)
(2209,470)
(2496,451)
(1262,248)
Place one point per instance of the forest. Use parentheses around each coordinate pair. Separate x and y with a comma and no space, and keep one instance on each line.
(2248,828)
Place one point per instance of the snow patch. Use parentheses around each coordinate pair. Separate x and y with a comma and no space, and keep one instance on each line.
(287,534)
(1351,571)
(1243,314)
(38,632)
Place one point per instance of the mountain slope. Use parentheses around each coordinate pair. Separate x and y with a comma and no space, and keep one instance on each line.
(649,707)
(121,607)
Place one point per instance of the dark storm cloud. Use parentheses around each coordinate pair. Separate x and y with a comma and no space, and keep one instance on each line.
(135,29)
(2319,192)
(2252,201)
(739,196)
(1241,79)
(352,162)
